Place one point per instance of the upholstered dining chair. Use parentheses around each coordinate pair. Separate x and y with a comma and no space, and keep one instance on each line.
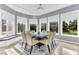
(30,41)
(48,41)
(24,39)
(53,44)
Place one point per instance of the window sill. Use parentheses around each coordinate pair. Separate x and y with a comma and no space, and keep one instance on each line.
(57,33)
(69,35)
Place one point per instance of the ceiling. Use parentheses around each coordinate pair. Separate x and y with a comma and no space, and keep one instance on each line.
(32,9)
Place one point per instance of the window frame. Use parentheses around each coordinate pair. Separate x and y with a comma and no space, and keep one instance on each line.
(57,33)
(33,23)
(62,34)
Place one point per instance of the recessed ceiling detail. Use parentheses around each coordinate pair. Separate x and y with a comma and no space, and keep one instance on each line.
(36,9)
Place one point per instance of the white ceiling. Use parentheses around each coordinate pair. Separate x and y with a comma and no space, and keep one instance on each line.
(31,9)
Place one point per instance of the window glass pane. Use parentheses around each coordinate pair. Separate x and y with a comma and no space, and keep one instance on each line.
(53,23)
(43,24)
(43,27)
(7,24)
(4,26)
(69,21)
(33,25)
(22,24)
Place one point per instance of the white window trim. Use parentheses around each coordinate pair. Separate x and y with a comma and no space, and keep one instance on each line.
(49,24)
(35,24)
(69,35)
(44,23)
(62,34)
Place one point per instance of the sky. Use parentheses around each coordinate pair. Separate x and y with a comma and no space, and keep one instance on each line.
(68,20)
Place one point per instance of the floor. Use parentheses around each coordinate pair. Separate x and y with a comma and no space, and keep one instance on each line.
(62,48)
(67,48)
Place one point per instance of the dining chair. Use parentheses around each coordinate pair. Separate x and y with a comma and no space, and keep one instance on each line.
(53,44)
(30,41)
(48,41)
(24,39)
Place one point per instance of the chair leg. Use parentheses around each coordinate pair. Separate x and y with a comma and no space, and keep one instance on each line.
(22,43)
(31,49)
(55,42)
(25,46)
(48,48)
(52,45)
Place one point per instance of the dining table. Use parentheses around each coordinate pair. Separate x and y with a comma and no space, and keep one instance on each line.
(39,36)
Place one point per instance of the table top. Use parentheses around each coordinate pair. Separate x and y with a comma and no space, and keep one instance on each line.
(40,35)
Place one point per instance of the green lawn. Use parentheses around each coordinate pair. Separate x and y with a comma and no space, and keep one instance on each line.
(71,33)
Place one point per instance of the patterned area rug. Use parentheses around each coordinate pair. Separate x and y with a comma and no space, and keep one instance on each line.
(19,50)
(62,49)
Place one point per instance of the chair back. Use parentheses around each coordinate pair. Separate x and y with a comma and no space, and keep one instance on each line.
(29,38)
(23,34)
(53,35)
(50,37)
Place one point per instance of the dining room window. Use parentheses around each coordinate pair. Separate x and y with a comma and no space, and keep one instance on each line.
(33,25)
(70,23)
(21,27)
(53,23)
(21,24)
(7,24)
(4,26)
(43,25)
